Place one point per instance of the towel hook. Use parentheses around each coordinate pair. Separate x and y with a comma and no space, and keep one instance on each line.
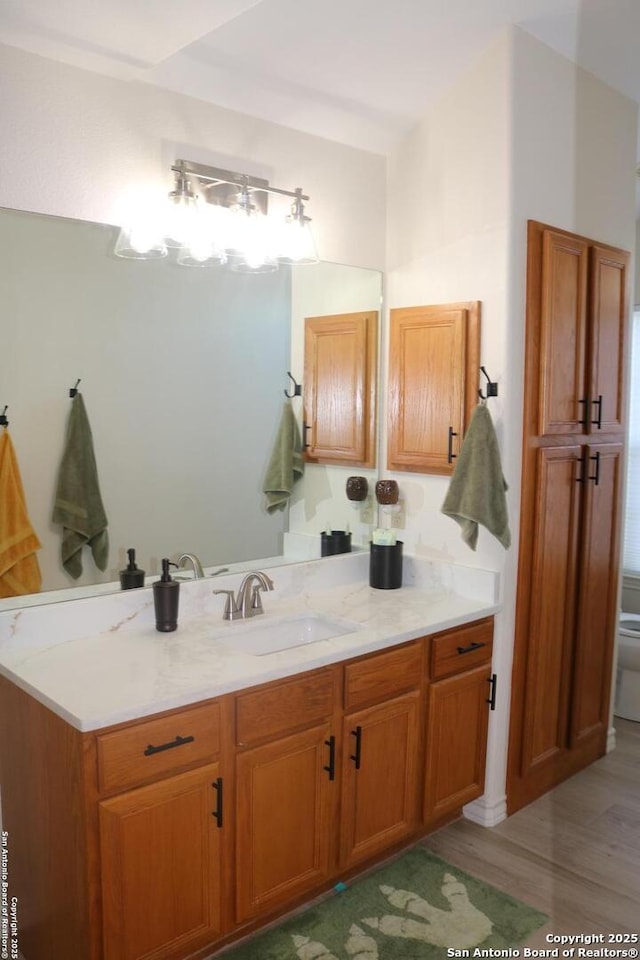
(73,390)
(3,417)
(492,387)
(297,388)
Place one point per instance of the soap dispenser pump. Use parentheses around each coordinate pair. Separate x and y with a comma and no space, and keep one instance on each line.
(166,595)
(131,577)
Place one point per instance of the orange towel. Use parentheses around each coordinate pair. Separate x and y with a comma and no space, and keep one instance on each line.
(19,568)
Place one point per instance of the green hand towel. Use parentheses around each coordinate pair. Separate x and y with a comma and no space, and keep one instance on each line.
(286,464)
(477,490)
(78,504)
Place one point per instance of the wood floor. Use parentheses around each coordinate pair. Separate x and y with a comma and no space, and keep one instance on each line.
(574,853)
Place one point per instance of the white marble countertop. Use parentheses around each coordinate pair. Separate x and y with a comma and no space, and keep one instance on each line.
(100,666)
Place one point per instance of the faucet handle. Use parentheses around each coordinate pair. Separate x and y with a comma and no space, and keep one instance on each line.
(231,611)
(256,600)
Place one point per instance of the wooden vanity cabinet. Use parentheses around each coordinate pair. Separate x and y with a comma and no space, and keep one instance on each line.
(340,364)
(285,790)
(434,362)
(169,836)
(381,741)
(161,843)
(458,702)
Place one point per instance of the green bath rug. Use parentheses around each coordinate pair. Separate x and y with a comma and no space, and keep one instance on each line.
(416,908)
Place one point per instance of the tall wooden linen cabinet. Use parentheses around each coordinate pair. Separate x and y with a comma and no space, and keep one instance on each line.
(577,307)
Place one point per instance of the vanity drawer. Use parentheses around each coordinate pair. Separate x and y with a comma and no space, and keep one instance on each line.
(281,707)
(148,750)
(461,649)
(382,675)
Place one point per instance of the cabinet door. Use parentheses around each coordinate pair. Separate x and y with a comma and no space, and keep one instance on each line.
(433,382)
(597,603)
(340,358)
(564,404)
(379,778)
(284,793)
(547,666)
(457,723)
(160,850)
(609,308)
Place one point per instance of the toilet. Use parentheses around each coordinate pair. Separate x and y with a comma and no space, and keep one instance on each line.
(627,702)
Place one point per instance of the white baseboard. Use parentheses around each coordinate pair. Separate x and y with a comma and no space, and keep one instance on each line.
(611,739)
(484,813)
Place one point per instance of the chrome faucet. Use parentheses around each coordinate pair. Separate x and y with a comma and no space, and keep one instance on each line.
(248,602)
(198,572)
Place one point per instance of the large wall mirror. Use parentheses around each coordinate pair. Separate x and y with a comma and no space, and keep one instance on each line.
(183,373)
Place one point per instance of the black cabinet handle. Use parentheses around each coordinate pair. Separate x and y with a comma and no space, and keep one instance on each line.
(331,769)
(356,757)
(596,476)
(472,646)
(585,403)
(493,683)
(598,403)
(178,742)
(305,426)
(217,813)
(451,456)
(583,469)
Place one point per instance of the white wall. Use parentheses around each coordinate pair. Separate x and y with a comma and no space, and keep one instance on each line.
(524,134)
(74,142)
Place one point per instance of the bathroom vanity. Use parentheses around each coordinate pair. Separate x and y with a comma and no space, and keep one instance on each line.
(168,832)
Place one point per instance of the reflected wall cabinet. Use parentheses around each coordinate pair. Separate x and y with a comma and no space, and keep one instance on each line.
(577,307)
(434,358)
(340,363)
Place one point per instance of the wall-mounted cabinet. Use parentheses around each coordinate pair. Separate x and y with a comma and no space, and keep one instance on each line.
(434,359)
(340,365)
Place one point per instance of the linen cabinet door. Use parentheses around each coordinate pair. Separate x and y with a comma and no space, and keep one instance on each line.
(564,404)
(546,668)
(161,867)
(609,310)
(283,790)
(597,603)
(457,725)
(379,778)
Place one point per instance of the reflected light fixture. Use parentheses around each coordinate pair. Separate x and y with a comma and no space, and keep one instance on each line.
(215,216)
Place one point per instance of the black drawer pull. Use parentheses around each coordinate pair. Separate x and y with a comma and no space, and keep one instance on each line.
(451,456)
(585,402)
(598,420)
(493,683)
(178,742)
(472,646)
(596,476)
(331,769)
(217,813)
(357,756)
(305,443)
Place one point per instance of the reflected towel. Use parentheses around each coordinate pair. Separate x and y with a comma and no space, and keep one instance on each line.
(477,490)
(78,504)
(286,464)
(19,568)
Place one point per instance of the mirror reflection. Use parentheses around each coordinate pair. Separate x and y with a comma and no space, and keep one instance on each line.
(183,373)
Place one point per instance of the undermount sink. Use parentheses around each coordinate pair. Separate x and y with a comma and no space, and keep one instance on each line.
(285,633)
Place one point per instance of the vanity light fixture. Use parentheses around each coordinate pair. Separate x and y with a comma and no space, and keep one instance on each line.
(218,216)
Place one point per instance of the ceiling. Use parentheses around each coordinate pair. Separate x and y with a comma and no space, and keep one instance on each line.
(341,69)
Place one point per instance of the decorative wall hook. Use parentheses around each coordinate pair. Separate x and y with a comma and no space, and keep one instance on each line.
(3,417)
(73,390)
(297,388)
(492,387)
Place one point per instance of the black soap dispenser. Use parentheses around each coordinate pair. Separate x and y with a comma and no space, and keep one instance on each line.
(166,595)
(131,577)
